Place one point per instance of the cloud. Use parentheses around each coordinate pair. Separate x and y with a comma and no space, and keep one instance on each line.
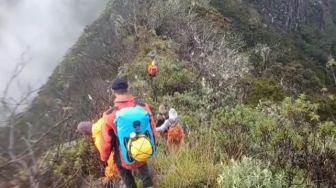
(45,30)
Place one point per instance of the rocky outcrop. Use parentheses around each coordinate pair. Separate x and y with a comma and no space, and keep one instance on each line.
(290,15)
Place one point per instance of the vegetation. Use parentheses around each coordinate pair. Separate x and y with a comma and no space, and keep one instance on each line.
(236,84)
(262,89)
(190,166)
(250,173)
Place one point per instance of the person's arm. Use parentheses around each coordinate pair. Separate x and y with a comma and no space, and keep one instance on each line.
(173,117)
(107,131)
(164,126)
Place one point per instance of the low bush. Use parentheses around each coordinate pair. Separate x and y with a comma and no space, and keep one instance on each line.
(250,173)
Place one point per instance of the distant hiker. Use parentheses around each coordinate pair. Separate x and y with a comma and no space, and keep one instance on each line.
(152,69)
(128,133)
(169,127)
(162,116)
(94,131)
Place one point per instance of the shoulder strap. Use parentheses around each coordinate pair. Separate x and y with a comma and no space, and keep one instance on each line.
(138,102)
(109,111)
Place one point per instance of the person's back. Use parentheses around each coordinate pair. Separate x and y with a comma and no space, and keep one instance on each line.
(115,134)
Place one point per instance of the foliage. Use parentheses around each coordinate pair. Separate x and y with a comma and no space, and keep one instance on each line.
(327,106)
(191,165)
(248,173)
(66,163)
(262,89)
(173,77)
(201,55)
(290,135)
(56,84)
(308,47)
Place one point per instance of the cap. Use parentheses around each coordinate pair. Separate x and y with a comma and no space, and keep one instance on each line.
(119,83)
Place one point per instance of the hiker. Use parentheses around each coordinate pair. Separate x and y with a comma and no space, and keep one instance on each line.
(166,119)
(94,131)
(128,133)
(162,116)
(152,69)
(169,127)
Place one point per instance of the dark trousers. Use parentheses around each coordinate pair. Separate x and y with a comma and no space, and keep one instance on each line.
(127,176)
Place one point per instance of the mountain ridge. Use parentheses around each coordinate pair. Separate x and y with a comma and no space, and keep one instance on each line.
(212,60)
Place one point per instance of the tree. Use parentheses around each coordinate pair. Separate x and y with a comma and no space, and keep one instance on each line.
(331,64)
(19,161)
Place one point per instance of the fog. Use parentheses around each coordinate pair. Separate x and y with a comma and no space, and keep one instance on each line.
(44,30)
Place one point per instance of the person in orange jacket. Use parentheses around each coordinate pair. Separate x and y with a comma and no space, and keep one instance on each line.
(152,69)
(109,139)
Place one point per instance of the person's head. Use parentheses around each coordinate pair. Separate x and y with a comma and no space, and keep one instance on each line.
(163,112)
(120,86)
(85,127)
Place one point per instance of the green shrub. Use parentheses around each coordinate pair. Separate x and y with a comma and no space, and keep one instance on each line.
(290,135)
(173,76)
(327,106)
(262,89)
(250,173)
(69,162)
(242,130)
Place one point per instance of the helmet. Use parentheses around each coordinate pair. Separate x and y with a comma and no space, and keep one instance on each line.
(140,148)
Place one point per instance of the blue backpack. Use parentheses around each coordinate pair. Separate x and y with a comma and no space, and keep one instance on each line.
(132,120)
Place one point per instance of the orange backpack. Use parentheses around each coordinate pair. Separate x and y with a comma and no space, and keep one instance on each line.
(175,134)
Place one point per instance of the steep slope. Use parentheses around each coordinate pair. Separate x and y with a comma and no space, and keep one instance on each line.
(210,61)
(77,89)
(311,23)
(292,15)
(313,20)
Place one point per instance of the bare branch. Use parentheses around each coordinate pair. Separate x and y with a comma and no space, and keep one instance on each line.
(26,152)
(17,71)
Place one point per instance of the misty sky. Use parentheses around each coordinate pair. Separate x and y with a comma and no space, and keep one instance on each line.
(44,29)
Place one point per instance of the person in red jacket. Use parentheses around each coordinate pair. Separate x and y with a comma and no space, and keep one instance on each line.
(152,69)
(109,141)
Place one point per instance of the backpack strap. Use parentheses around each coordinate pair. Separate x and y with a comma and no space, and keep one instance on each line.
(112,109)
(138,102)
